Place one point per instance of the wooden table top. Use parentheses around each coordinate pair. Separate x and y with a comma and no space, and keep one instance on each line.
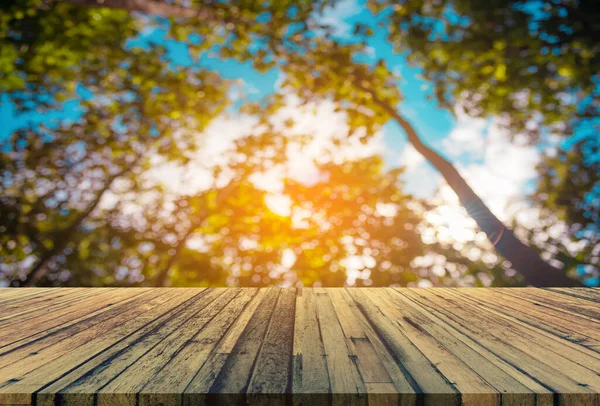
(188,346)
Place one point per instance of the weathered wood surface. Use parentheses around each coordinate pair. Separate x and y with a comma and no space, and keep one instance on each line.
(309,346)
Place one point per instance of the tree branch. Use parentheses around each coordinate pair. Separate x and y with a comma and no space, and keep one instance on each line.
(153,7)
(63,237)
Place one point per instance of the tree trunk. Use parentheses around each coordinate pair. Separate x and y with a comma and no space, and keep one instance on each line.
(524,260)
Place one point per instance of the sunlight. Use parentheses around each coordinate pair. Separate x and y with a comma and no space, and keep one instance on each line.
(450,219)
(279,204)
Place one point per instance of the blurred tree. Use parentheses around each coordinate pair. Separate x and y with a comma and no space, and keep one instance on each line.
(236,212)
(533,63)
(54,178)
(567,199)
(131,230)
(569,184)
(49,49)
(135,103)
(54,51)
(357,218)
(353,225)
(369,94)
(354,217)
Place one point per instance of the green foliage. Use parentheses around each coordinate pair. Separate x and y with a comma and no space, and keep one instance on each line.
(492,60)
(568,199)
(54,182)
(568,184)
(535,64)
(48,48)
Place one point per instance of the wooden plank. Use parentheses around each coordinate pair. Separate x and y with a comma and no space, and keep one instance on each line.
(75,354)
(374,362)
(13,312)
(7,293)
(196,392)
(168,385)
(432,387)
(345,381)
(502,380)
(27,314)
(234,377)
(592,294)
(507,326)
(346,316)
(270,381)
(10,295)
(543,395)
(33,353)
(512,348)
(230,339)
(404,385)
(52,327)
(142,347)
(80,384)
(578,330)
(123,389)
(310,375)
(474,389)
(555,300)
(369,365)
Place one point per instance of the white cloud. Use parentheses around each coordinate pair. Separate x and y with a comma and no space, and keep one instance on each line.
(499,175)
(279,204)
(420,178)
(241,89)
(467,139)
(337,16)
(497,167)
(213,143)
(506,168)
(320,121)
(370,52)
(410,158)
(324,125)
(269,181)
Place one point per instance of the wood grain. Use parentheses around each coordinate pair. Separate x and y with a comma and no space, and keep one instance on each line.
(367,346)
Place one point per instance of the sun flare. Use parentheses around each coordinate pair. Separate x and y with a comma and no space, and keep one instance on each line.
(450,220)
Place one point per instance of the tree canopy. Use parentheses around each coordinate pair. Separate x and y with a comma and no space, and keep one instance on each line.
(535,64)
(81,202)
